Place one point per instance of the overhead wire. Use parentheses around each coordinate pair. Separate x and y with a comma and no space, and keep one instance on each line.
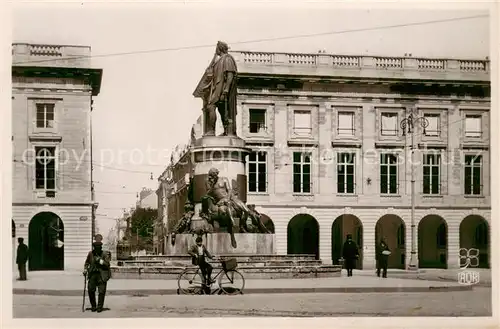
(296,36)
(243,42)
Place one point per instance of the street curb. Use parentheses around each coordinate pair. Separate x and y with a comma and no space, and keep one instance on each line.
(161,292)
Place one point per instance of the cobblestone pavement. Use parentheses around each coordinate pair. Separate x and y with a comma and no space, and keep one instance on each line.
(466,303)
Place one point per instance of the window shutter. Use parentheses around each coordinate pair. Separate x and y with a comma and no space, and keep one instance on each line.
(60,160)
(30,168)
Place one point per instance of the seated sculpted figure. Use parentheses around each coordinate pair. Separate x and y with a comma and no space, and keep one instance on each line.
(184,224)
(219,189)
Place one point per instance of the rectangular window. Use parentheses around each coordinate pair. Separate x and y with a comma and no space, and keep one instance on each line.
(257,120)
(301,172)
(345,124)
(473,180)
(302,125)
(45,115)
(388,173)
(433,128)
(257,172)
(389,126)
(473,126)
(45,168)
(432,177)
(345,172)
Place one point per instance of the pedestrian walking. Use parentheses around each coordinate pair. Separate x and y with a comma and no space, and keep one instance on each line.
(98,272)
(350,253)
(22,258)
(382,257)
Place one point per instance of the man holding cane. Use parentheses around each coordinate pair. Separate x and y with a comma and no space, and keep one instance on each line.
(98,272)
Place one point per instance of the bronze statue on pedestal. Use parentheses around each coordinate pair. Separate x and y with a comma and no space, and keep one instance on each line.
(218,90)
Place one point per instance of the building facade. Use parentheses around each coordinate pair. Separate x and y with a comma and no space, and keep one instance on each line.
(147,199)
(330,155)
(53,87)
(173,187)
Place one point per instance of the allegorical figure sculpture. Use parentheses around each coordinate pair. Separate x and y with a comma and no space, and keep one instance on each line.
(221,205)
(218,90)
(257,226)
(184,224)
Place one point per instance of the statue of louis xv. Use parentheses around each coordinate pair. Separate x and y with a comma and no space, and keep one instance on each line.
(218,90)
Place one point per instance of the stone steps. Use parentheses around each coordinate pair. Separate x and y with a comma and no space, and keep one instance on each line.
(245,263)
(249,272)
(252,266)
(239,257)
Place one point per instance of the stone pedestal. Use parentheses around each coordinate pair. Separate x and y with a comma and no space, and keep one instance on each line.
(220,244)
(225,153)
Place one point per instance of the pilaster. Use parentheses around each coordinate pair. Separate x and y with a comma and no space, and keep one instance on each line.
(325,238)
(369,242)
(453,243)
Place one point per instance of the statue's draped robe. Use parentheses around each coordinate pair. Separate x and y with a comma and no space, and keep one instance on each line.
(221,68)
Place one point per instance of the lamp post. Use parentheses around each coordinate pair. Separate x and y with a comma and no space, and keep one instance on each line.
(408,126)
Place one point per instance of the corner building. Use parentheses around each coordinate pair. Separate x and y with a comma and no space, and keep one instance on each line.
(330,156)
(53,205)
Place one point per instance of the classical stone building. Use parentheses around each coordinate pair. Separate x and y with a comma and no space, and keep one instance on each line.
(172,192)
(53,87)
(331,158)
(147,199)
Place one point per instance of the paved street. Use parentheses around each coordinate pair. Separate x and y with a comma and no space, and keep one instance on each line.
(465,303)
(70,284)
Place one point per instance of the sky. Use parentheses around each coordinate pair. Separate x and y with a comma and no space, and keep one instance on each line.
(146,104)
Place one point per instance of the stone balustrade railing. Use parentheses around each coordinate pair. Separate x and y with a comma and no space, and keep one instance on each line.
(249,59)
(50,55)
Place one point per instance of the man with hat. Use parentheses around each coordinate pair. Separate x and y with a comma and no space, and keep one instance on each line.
(97,269)
(350,253)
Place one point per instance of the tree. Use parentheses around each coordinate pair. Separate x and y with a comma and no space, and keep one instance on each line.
(142,227)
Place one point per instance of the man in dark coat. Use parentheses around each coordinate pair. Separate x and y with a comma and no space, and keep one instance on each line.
(98,271)
(350,253)
(22,258)
(382,258)
(199,253)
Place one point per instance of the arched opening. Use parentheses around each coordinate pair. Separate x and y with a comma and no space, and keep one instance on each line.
(46,242)
(303,235)
(392,229)
(432,242)
(475,234)
(268,222)
(341,227)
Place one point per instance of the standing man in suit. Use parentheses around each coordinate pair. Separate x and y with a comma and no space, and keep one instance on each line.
(382,253)
(199,253)
(350,253)
(98,271)
(22,259)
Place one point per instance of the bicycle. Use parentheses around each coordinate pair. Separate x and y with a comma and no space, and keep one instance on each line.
(232,282)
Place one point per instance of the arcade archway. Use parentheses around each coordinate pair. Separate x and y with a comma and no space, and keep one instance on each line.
(341,227)
(475,233)
(432,242)
(392,229)
(46,242)
(303,235)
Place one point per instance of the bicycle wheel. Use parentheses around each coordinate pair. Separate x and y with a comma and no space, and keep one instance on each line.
(232,282)
(190,282)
